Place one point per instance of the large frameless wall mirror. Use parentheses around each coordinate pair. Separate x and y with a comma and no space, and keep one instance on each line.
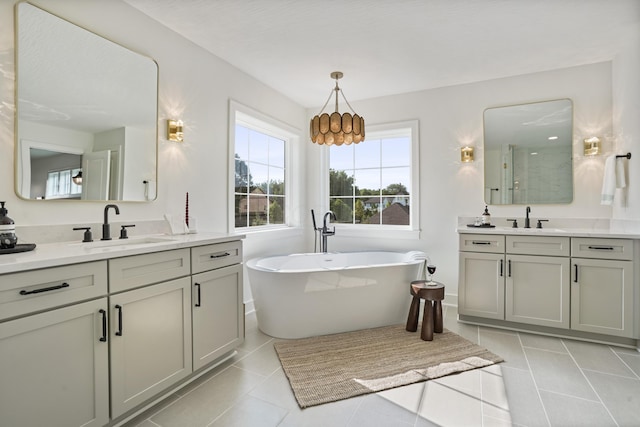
(87,113)
(528,153)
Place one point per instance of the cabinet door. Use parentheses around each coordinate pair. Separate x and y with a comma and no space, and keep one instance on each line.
(150,342)
(54,369)
(537,290)
(481,285)
(602,296)
(218,315)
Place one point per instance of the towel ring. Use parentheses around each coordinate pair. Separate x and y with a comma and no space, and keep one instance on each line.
(619,156)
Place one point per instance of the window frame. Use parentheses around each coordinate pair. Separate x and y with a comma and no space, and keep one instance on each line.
(69,194)
(384,130)
(260,122)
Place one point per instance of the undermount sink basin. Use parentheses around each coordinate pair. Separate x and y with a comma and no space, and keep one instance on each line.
(116,243)
(536,230)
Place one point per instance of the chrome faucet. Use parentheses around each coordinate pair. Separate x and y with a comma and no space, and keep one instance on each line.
(106,228)
(325,230)
(527,224)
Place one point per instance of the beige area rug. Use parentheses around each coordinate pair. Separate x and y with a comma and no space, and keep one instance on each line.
(334,367)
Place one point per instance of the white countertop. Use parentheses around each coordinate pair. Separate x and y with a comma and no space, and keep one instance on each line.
(56,254)
(557,227)
(568,232)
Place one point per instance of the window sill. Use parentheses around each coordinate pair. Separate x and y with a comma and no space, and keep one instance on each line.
(266,231)
(377,233)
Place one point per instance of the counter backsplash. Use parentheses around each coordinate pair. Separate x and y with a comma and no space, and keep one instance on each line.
(41,234)
(595,224)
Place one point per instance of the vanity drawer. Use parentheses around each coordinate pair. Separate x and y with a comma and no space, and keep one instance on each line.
(139,270)
(539,245)
(210,257)
(36,290)
(491,243)
(582,247)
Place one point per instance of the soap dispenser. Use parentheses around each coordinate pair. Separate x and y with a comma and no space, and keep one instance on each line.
(486,217)
(8,237)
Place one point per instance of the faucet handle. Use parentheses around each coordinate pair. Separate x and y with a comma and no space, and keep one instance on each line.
(539,225)
(87,234)
(515,223)
(123,231)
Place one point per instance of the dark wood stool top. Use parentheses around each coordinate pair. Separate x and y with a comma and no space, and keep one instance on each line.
(433,294)
(432,291)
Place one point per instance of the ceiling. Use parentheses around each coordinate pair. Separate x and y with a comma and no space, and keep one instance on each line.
(387,47)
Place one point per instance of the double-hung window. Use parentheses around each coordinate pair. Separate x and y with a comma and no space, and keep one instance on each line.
(259,146)
(60,184)
(375,182)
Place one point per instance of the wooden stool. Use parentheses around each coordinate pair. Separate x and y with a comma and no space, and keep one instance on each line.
(433,294)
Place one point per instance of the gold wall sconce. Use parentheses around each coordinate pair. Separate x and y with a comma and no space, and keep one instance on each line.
(466,154)
(592,146)
(174,130)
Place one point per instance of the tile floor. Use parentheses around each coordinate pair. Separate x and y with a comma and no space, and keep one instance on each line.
(544,381)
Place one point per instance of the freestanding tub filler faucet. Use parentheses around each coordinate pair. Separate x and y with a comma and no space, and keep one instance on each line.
(106,228)
(527,223)
(325,230)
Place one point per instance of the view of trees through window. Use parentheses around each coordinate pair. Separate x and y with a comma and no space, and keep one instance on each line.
(259,178)
(370,183)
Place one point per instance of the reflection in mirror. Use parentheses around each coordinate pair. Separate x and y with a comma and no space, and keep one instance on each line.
(528,153)
(84,104)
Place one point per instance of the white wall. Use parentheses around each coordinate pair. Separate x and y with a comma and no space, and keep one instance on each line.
(451,117)
(626,116)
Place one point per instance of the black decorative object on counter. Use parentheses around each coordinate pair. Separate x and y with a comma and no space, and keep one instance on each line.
(22,247)
(481,226)
(8,238)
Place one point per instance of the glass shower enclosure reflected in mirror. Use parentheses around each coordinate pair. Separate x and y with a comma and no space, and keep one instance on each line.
(528,153)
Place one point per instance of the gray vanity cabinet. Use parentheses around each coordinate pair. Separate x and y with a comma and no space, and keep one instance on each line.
(537,280)
(150,342)
(96,343)
(602,286)
(218,318)
(217,306)
(481,276)
(576,286)
(54,368)
(512,278)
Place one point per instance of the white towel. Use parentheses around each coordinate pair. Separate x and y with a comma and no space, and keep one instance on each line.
(621,180)
(608,181)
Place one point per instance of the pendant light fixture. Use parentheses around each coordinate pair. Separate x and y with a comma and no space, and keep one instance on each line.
(77,179)
(336,128)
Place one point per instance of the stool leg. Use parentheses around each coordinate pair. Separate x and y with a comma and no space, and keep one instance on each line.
(437,317)
(427,322)
(412,320)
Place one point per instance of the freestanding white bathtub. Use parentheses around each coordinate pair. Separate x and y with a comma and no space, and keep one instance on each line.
(305,295)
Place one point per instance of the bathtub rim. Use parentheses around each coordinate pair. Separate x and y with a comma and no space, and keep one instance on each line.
(252,263)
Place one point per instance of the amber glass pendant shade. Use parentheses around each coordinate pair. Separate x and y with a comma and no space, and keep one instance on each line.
(336,128)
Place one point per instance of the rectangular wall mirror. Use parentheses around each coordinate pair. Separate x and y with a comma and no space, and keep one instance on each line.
(528,153)
(86,113)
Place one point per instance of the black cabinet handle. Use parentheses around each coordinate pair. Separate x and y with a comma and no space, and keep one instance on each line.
(197,285)
(51,288)
(103,338)
(575,276)
(478,242)
(119,331)
(601,248)
(220,255)
(509,266)
(501,268)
